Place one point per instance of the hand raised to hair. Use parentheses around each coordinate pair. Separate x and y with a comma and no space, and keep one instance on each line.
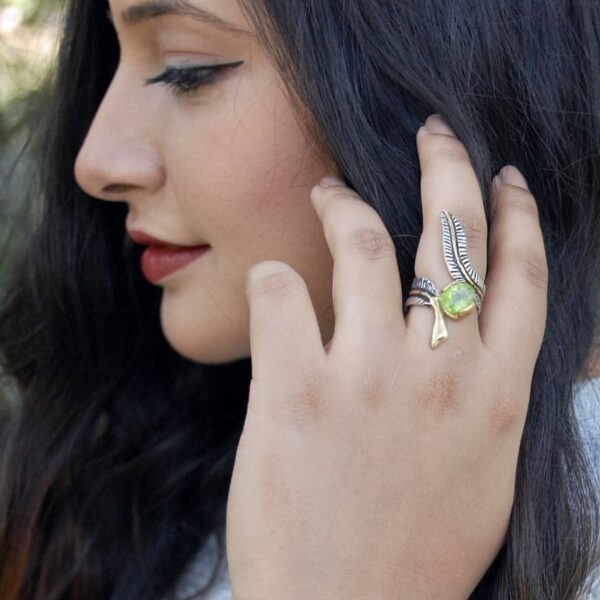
(378,467)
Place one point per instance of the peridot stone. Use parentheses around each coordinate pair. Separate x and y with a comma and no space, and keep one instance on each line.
(457,298)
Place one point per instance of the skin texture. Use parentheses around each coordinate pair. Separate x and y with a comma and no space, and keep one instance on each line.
(226,165)
(374,445)
(377,467)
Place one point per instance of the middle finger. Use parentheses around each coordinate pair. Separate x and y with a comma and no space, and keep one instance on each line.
(448,182)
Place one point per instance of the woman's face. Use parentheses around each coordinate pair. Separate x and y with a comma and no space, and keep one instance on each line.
(226,165)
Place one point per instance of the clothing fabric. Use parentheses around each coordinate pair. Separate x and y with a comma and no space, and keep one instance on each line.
(199,569)
(587,410)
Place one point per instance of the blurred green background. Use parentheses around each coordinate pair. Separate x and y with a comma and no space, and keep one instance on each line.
(29,36)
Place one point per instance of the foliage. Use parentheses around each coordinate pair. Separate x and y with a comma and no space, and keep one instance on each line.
(28,45)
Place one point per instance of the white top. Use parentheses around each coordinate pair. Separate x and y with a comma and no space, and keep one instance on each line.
(198,570)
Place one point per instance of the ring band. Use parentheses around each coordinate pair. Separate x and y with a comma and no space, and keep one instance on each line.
(459,297)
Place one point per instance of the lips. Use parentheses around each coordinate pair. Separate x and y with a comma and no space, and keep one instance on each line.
(162,258)
(145,239)
(157,262)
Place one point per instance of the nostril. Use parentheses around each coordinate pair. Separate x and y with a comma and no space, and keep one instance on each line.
(115,188)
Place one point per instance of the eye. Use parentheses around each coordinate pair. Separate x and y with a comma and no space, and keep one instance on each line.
(186,79)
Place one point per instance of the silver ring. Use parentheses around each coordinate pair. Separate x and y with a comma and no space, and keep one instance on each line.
(462,295)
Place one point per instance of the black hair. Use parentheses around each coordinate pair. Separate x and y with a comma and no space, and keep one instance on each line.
(117,462)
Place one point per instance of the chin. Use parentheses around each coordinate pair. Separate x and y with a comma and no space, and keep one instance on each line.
(202,342)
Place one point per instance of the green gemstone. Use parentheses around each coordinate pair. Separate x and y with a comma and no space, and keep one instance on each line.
(457,297)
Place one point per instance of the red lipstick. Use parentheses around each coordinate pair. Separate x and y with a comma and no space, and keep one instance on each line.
(163,258)
(159,261)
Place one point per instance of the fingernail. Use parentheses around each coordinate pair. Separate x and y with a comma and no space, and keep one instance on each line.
(436,124)
(330,181)
(511,175)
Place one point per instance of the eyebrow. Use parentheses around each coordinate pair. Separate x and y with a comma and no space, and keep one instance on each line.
(158,8)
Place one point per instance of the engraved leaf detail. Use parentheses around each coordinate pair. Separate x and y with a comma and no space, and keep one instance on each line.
(454,242)
(422,283)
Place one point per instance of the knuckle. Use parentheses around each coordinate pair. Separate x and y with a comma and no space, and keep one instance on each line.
(518,199)
(303,398)
(336,193)
(277,285)
(308,402)
(505,414)
(446,147)
(441,393)
(534,267)
(333,194)
(305,409)
(374,386)
(371,243)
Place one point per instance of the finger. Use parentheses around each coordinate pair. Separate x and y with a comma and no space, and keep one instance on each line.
(513,316)
(367,294)
(448,182)
(285,339)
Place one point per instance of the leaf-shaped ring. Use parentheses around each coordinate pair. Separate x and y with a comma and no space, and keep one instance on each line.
(462,295)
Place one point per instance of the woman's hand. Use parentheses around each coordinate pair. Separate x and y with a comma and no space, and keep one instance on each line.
(377,467)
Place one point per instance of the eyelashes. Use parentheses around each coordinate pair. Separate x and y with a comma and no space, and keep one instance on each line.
(185,80)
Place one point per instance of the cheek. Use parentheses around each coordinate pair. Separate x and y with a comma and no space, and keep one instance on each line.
(240,148)
(243,172)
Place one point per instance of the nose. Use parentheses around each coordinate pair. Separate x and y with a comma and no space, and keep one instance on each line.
(120,154)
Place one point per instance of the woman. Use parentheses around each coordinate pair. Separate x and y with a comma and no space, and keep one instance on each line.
(388,463)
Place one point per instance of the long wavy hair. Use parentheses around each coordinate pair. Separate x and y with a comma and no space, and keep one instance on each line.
(116,462)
